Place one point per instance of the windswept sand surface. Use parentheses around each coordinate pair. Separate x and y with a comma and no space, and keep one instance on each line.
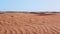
(29,23)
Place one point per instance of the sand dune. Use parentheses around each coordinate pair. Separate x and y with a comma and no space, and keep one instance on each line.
(29,23)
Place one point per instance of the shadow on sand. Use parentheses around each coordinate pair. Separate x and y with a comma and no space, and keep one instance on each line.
(43,13)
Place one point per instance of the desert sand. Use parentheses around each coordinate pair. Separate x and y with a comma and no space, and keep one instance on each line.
(29,23)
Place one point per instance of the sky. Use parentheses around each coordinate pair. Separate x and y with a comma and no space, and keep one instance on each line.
(29,5)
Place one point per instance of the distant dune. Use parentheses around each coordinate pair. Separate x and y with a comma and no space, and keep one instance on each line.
(29,22)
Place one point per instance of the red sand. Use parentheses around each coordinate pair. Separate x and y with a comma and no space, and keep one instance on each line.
(29,23)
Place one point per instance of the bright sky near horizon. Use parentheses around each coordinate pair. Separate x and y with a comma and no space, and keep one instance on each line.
(29,5)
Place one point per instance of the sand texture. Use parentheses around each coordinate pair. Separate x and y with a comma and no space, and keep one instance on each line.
(29,23)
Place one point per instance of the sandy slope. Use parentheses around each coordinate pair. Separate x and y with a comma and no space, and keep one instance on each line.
(29,23)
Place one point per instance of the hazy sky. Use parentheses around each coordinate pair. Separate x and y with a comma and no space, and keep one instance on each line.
(29,5)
